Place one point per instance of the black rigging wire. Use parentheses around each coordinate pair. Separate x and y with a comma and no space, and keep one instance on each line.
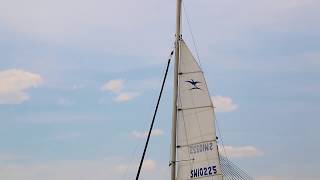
(154,116)
(185,12)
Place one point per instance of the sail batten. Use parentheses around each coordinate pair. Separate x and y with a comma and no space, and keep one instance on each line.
(197,150)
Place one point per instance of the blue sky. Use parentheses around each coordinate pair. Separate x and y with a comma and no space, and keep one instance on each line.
(79,81)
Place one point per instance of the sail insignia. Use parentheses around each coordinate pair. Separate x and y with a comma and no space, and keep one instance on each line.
(194,84)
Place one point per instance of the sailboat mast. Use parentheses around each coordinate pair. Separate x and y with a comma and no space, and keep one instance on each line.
(175,91)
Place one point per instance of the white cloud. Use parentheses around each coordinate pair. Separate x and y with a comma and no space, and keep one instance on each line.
(149,165)
(155,132)
(14,83)
(126,96)
(126,91)
(241,152)
(115,86)
(223,104)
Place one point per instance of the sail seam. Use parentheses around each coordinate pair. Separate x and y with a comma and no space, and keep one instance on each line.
(182,73)
(200,107)
(178,146)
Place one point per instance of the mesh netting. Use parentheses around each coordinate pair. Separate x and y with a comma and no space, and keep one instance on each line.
(232,172)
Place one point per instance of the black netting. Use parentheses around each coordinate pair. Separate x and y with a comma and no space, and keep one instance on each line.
(232,172)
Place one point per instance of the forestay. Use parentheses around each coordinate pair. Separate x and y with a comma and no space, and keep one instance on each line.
(197,151)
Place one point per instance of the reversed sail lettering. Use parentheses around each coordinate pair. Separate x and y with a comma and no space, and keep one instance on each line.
(202,147)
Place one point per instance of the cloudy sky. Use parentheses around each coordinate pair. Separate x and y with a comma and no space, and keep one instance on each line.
(79,80)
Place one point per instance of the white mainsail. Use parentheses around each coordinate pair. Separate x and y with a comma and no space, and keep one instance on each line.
(197,150)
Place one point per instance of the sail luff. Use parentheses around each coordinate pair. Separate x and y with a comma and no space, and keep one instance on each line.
(175,91)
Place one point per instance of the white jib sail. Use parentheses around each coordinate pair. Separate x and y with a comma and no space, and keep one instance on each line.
(197,151)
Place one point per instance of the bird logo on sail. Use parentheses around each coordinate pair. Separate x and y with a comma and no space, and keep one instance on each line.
(194,84)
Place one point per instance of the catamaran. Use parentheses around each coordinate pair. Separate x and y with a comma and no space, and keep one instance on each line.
(194,147)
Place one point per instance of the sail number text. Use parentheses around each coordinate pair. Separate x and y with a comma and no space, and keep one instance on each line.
(202,147)
(205,171)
